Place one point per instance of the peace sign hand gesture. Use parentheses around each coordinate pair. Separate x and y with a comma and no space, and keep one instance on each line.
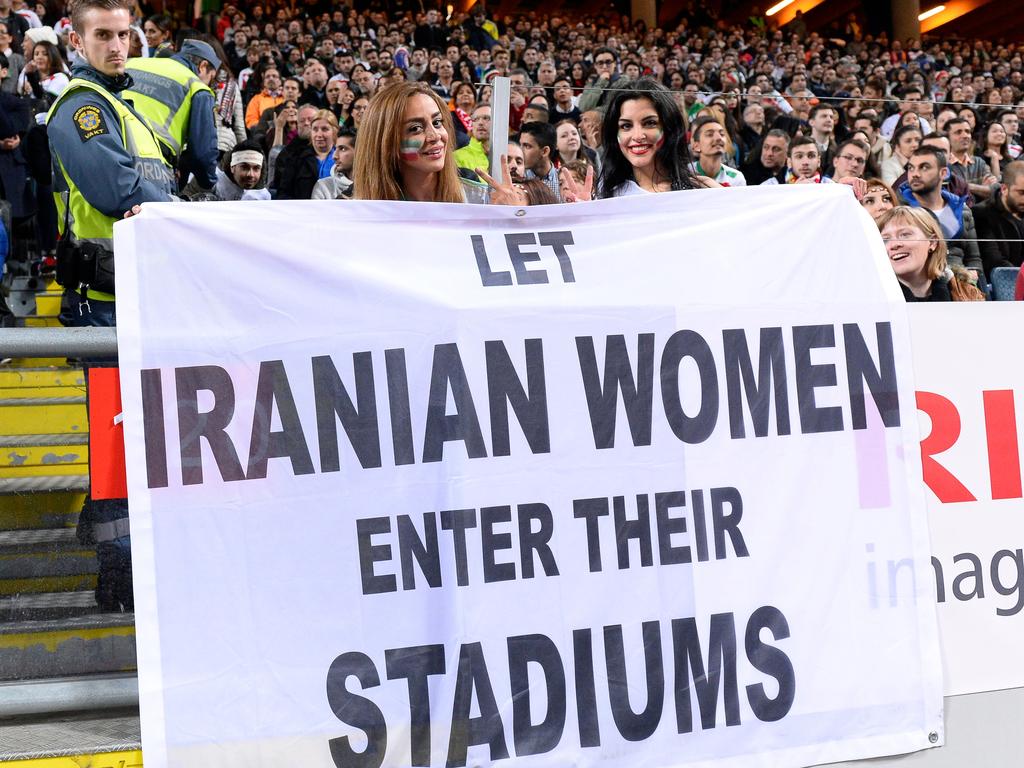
(573,192)
(505,192)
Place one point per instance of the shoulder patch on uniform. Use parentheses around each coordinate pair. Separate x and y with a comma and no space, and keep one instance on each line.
(89,122)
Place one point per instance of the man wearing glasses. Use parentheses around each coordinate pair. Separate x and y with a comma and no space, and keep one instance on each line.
(606,72)
(475,154)
(851,160)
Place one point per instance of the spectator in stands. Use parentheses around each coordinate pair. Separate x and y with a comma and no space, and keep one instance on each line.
(994,148)
(804,164)
(363,79)
(314,81)
(590,128)
(540,150)
(972,169)
(44,76)
(709,149)
(431,34)
(563,103)
(850,160)
(15,61)
(537,192)
(16,24)
(269,96)
(481,32)
(912,97)
(476,154)
(516,160)
(536,111)
(769,159)
(159,31)
(339,186)
(228,111)
(242,173)
(322,134)
(359,106)
(917,253)
(645,143)
(1000,222)
(570,144)
(1011,124)
(754,126)
(598,94)
(822,120)
(904,141)
(878,198)
(926,169)
(403,150)
(297,167)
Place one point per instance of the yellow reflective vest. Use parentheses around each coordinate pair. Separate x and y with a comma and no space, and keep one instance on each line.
(87,224)
(162,92)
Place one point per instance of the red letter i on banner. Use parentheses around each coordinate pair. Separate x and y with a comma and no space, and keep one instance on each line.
(1003,450)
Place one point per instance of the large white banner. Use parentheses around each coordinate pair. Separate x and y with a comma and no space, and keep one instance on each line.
(968,392)
(593,485)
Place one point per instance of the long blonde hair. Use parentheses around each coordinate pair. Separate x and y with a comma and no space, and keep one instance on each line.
(376,168)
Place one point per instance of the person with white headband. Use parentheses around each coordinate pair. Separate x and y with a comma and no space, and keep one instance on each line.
(241,175)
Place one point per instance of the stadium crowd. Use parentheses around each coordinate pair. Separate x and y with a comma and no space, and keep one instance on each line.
(106,105)
(282,103)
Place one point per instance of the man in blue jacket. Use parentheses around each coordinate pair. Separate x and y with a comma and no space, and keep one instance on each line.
(106,161)
(923,189)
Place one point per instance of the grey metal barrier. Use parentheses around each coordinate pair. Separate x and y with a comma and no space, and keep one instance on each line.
(58,342)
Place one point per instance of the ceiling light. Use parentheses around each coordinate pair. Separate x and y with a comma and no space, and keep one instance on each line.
(928,14)
(777,7)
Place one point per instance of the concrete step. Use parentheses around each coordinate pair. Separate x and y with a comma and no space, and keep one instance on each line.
(43,415)
(32,542)
(32,362)
(50,605)
(11,377)
(44,554)
(84,693)
(35,562)
(7,393)
(34,460)
(66,481)
(84,645)
(28,511)
(37,585)
(92,739)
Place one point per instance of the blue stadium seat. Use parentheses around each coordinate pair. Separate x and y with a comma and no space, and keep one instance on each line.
(1004,279)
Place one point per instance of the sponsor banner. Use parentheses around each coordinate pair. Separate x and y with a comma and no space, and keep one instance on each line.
(598,485)
(968,391)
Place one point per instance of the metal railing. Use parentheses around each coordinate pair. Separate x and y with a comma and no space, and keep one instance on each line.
(58,342)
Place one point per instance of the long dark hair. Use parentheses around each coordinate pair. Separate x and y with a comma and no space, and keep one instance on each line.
(672,159)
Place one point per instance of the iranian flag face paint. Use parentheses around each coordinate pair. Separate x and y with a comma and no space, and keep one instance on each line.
(424,140)
(410,149)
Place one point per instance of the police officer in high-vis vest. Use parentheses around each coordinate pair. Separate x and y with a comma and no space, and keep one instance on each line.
(173,95)
(106,162)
